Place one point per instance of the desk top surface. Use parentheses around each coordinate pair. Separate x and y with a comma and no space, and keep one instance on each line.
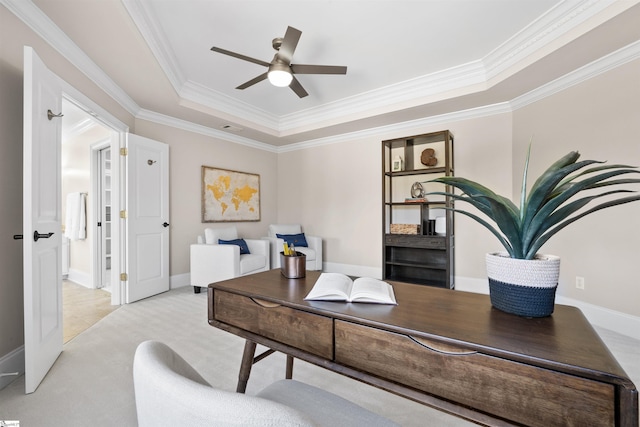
(564,341)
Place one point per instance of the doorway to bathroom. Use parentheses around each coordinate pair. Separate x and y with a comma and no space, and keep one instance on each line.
(86,211)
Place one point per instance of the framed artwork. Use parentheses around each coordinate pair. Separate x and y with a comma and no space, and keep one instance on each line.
(230,196)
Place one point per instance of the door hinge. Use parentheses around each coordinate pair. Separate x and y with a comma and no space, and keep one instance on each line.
(123,214)
(124,277)
(124,151)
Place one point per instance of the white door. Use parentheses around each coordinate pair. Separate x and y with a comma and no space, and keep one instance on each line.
(147,253)
(104,218)
(41,220)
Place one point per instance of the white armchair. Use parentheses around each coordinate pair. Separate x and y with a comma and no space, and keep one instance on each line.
(170,392)
(212,262)
(313,252)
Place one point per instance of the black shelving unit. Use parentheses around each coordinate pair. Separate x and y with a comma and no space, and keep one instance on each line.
(425,258)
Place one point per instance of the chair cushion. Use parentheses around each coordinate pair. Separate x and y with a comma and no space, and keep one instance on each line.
(284,229)
(244,249)
(212,235)
(252,262)
(296,239)
(324,408)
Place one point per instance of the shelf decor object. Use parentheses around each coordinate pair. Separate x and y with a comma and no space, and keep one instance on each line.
(397,164)
(413,251)
(523,281)
(428,158)
(405,228)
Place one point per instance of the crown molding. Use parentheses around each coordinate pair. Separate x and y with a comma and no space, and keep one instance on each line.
(209,98)
(173,122)
(156,40)
(408,93)
(609,62)
(40,23)
(616,59)
(541,35)
(403,127)
(79,128)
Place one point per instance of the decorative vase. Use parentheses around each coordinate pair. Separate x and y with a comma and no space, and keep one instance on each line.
(523,287)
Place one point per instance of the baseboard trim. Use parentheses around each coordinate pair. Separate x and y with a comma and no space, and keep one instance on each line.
(612,320)
(352,270)
(81,278)
(11,366)
(180,280)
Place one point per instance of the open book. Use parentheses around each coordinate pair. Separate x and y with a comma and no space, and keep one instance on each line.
(339,287)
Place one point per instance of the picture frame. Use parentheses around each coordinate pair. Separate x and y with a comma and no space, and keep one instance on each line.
(397,164)
(229,195)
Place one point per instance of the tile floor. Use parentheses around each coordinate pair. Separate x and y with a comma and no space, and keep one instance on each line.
(82,307)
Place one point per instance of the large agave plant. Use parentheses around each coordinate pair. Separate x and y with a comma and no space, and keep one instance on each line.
(549,207)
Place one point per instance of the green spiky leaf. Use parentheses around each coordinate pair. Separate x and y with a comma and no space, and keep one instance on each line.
(548,207)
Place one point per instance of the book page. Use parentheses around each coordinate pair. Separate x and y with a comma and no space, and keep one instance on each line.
(366,289)
(331,286)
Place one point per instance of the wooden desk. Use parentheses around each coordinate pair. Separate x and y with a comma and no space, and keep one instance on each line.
(447,349)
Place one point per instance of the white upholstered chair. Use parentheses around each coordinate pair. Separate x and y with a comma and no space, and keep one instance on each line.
(213,262)
(313,251)
(170,392)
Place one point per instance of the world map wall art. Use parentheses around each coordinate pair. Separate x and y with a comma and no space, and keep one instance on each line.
(229,195)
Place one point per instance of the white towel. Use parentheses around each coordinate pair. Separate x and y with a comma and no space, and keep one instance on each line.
(75,227)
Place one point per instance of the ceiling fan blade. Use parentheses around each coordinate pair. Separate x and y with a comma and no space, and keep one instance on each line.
(289,43)
(239,56)
(297,88)
(253,81)
(318,69)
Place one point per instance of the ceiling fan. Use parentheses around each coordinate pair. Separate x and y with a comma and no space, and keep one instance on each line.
(280,70)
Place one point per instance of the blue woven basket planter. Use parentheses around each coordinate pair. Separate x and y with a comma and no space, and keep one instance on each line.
(523,287)
(523,301)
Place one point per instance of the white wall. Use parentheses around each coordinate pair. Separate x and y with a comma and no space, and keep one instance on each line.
(336,190)
(598,118)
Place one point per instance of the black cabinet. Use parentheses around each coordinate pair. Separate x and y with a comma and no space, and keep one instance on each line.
(418,237)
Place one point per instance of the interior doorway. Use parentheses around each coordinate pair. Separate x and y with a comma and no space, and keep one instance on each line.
(86,211)
(86,175)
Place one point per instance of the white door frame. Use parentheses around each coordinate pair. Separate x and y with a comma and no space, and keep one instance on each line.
(96,206)
(118,140)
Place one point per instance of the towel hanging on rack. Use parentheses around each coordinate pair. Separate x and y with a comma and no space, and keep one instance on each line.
(76,217)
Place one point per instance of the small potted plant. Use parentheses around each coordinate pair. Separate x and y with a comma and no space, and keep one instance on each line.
(521,280)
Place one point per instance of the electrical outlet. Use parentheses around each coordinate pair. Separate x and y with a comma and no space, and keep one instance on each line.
(579,282)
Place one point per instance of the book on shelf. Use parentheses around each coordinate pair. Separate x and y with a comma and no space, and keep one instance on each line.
(340,287)
(416,200)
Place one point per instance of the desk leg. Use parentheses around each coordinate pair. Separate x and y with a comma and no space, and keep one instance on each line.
(245,367)
(289,373)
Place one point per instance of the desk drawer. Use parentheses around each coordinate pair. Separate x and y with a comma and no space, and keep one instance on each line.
(515,391)
(308,332)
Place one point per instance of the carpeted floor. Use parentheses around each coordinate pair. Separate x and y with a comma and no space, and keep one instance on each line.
(91,383)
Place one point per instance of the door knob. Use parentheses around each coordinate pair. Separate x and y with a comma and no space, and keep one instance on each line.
(37,236)
(165,224)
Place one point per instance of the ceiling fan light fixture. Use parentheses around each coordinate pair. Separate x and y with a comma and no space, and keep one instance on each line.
(280,75)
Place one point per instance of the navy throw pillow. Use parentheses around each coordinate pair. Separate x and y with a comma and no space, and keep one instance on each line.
(244,249)
(296,239)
